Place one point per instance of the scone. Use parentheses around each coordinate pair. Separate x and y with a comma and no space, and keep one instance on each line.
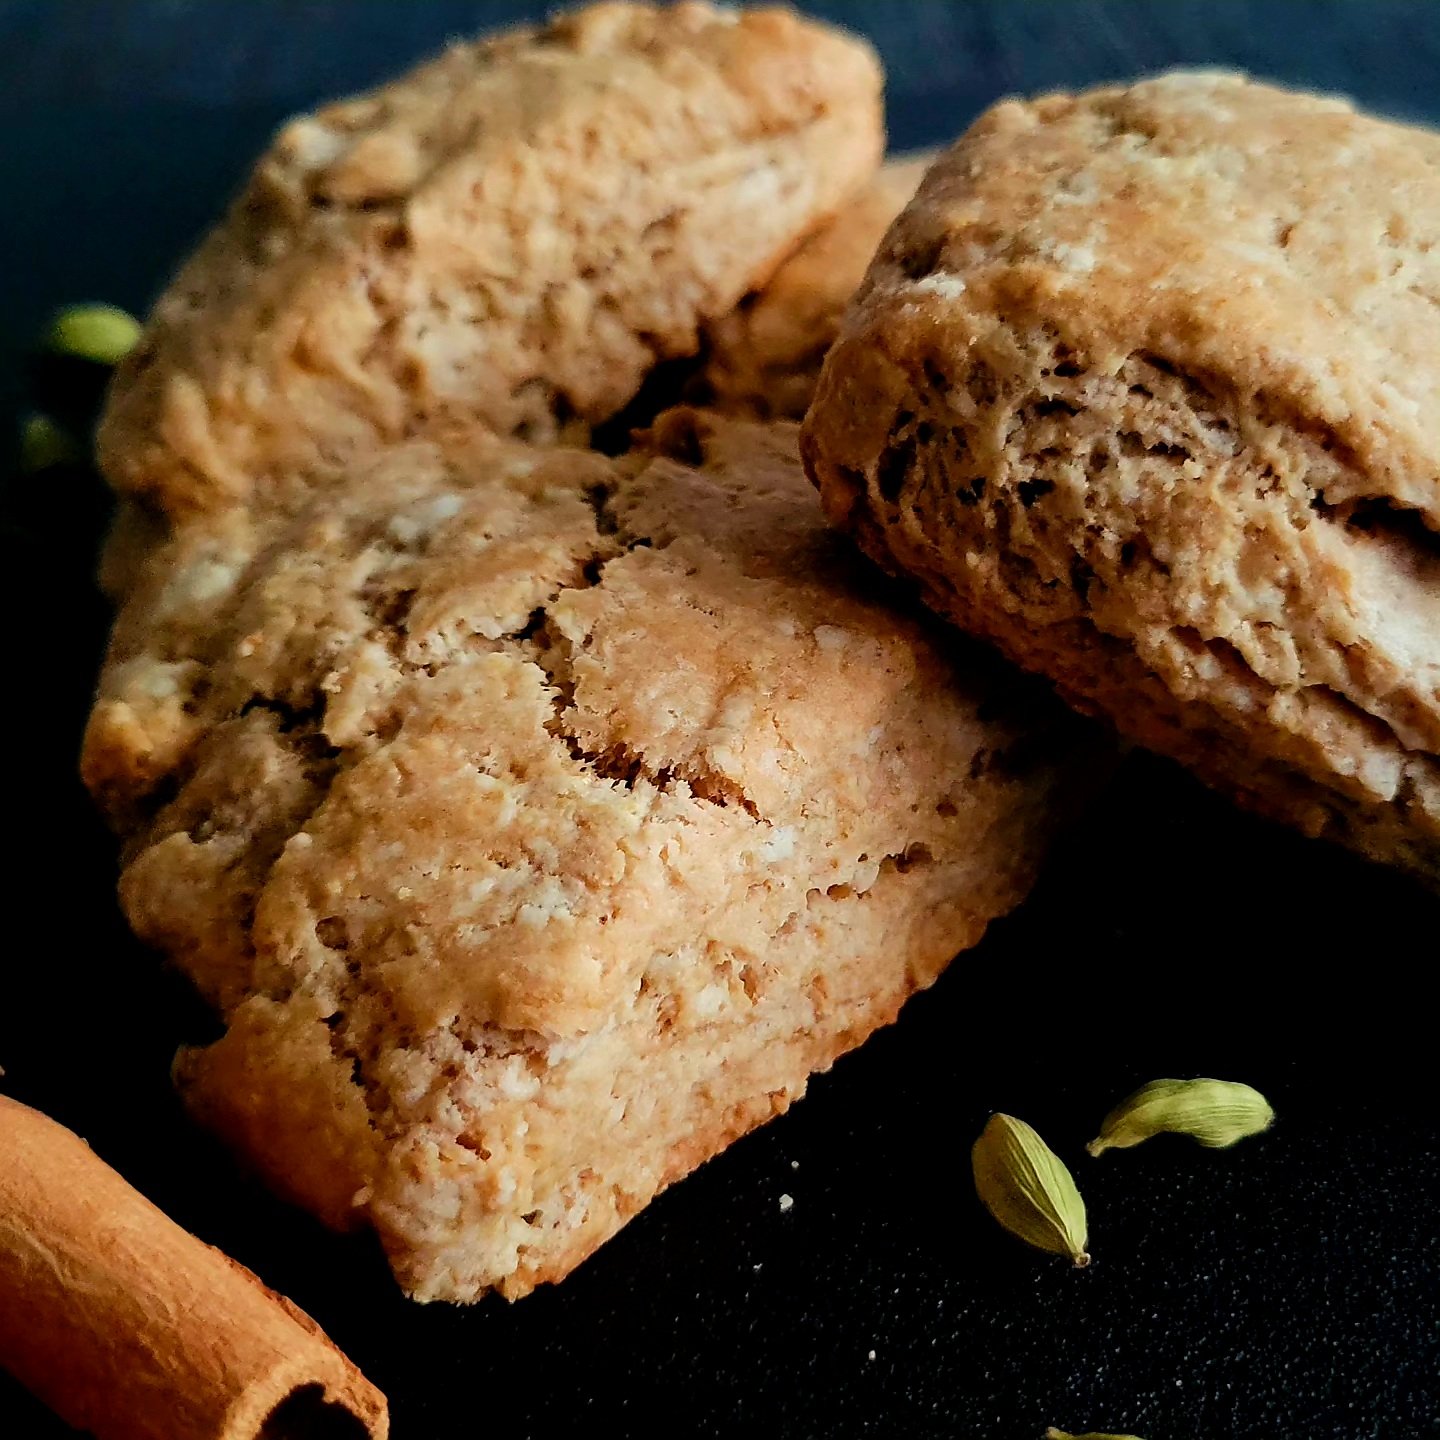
(539,822)
(763,358)
(1145,388)
(514,233)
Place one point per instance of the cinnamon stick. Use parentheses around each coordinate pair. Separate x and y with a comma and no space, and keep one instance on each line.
(129,1327)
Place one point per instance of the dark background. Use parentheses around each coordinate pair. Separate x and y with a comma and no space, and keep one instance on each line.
(1288,1288)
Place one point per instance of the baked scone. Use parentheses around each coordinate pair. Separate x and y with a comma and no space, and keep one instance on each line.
(1145,388)
(515,232)
(763,358)
(539,822)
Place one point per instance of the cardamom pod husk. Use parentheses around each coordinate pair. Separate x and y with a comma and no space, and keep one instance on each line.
(1027,1188)
(46,444)
(105,334)
(1053,1434)
(1217,1113)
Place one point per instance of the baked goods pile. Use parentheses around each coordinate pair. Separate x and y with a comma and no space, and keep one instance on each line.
(537,787)
(536,820)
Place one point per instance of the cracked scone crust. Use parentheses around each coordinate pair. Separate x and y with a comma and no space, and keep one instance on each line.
(516,233)
(1144,388)
(763,358)
(538,823)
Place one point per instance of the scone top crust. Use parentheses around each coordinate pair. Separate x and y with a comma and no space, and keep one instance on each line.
(514,233)
(1278,241)
(477,738)
(1143,386)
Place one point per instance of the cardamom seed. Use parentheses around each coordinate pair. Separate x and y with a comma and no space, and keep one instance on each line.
(1053,1434)
(1214,1112)
(1027,1188)
(105,334)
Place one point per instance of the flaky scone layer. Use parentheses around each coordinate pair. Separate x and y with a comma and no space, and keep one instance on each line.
(538,823)
(1143,387)
(514,233)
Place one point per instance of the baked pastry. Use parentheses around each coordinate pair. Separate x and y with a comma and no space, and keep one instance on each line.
(539,822)
(516,233)
(763,358)
(1144,389)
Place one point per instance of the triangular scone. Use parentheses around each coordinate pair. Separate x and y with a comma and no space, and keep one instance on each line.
(539,822)
(1144,387)
(514,233)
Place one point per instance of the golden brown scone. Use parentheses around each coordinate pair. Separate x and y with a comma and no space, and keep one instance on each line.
(1145,389)
(764,356)
(516,233)
(539,822)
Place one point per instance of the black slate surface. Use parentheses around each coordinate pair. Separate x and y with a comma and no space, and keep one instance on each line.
(1288,1288)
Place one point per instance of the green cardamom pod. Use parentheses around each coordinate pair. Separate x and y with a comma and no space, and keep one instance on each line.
(105,334)
(44,444)
(1215,1112)
(1027,1188)
(1053,1434)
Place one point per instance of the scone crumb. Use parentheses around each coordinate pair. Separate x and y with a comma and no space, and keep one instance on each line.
(940,283)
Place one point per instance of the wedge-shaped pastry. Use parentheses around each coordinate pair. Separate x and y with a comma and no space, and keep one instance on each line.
(514,233)
(763,358)
(539,822)
(1144,387)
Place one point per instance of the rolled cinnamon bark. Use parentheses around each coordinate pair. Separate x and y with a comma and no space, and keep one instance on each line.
(131,1328)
